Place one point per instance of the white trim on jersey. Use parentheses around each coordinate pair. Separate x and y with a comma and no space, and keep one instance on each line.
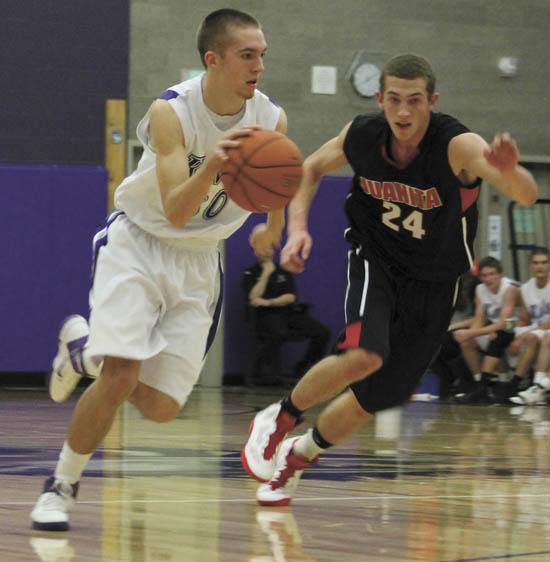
(347,290)
(365,287)
(465,238)
(455,295)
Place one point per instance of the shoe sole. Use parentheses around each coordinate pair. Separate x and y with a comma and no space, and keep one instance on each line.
(244,460)
(277,503)
(59,526)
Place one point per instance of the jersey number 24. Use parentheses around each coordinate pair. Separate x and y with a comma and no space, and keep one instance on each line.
(391,217)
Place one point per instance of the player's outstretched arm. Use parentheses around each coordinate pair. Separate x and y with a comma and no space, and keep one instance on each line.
(470,157)
(328,158)
(181,194)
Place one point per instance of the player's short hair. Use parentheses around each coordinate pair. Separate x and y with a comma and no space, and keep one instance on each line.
(409,67)
(489,261)
(539,251)
(215,31)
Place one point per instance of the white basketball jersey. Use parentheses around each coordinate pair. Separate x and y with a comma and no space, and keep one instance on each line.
(218,217)
(537,301)
(492,302)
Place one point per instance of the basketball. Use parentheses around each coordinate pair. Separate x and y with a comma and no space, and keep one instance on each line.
(263,173)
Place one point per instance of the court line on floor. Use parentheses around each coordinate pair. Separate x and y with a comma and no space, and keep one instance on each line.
(300,500)
(501,556)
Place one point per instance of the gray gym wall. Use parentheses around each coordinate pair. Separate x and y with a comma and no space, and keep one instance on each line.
(463,39)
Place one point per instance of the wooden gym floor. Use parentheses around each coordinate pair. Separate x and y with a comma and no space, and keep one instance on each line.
(457,483)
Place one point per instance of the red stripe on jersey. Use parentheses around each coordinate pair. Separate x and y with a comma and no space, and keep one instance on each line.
(468,197)
(351,341)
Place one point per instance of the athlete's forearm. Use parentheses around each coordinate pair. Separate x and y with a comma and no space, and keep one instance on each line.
(259,287)
(298,210)
(184,200)
(276,221)
(520,186)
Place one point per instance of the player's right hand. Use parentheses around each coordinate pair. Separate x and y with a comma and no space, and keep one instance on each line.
(296,251)
(218,153)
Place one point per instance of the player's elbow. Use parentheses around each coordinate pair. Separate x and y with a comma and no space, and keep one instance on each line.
(527,199)
(312,169)
(176,218)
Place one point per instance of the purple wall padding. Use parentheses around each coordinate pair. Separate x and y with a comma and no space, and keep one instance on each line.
(60,61)
(323,284)
(49,215)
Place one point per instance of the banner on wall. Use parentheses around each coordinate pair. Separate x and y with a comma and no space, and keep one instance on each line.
(494,236)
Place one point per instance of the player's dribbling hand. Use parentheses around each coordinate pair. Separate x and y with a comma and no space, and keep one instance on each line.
(263,239)
(296,251)
(230,140)
(503,153)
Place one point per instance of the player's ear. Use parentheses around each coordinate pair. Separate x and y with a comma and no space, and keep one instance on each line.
(210,59)
(433,99)
(380,99)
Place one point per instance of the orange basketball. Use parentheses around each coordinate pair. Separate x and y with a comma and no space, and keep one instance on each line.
(263,173)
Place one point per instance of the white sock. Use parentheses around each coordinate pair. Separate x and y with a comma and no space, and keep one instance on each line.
(306,447)
(541,379)
(70,464)
(477,377)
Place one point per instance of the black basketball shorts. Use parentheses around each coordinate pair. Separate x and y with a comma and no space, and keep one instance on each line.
(401,319)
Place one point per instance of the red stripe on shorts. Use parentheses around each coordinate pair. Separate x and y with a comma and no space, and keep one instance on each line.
(351,340)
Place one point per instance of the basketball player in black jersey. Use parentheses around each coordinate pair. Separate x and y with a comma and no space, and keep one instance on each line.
(412,221)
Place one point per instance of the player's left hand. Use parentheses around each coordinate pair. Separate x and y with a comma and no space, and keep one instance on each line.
(263,239)
(503,153)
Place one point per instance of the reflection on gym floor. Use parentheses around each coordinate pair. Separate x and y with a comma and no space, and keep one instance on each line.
(431,482)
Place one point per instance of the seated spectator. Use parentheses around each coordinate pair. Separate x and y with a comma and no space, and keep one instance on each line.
(449,365)
(534,339)
(484,342)
(537,393)
(279,318)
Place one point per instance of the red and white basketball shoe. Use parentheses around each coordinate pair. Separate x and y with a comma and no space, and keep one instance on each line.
(267,430)
(288,471)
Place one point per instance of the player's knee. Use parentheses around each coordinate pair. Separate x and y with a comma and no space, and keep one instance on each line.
(155,405)
(162,413)
(468,345)
(531,340)
(360,363)
(121,378)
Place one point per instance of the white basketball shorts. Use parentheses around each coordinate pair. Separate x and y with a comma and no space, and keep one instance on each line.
(157,301)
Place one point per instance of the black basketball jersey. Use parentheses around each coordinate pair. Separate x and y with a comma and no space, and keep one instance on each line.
(421,221)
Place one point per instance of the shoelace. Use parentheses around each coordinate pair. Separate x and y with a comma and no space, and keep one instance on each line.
(55,501)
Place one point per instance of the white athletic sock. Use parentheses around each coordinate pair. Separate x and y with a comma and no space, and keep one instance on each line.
(306,447)
(477,377)
(70,464)
(541,379)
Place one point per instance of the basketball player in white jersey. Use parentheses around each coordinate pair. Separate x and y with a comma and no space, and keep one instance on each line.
(496,301)
(535,297)
(156,295)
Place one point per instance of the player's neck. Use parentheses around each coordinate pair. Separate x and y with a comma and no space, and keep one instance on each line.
(402,154)
(218,100)
(541,282)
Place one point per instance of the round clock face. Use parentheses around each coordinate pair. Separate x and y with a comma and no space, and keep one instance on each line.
(366,79)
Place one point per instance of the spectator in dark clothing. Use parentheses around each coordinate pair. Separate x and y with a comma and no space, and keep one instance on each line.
(277,317)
